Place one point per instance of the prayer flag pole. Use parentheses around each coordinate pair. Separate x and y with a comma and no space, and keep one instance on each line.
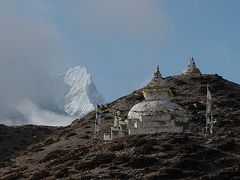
(209,116)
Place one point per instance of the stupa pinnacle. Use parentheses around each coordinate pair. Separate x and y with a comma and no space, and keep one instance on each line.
(192,68)
(157,80)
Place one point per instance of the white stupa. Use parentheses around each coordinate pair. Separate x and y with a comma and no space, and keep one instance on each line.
(156,113)
(192,68)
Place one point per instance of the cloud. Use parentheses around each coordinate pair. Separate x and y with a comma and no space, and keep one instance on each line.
(27,40)
(39,116)
(30,50)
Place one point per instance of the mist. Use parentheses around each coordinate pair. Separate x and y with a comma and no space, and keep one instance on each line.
(30,51)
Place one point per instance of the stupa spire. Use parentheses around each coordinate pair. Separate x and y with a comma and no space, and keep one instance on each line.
(157,88)
(192,68)
(157,74)
(191,64)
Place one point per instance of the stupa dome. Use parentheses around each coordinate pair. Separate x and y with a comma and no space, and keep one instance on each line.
(151,108)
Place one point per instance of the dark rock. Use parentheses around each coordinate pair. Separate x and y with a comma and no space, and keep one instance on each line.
(39,175)
(169,173)
(180,140)
(192,164)
(227,145)
(227,162)
(70,135)
(192,148)
(145,149)
(228,173)
(119,175)
(62,173)
(13,176)
(142,162)
(116,147)
(85,137)
(78,153)
(54,155)
(208,154)
(121,159)
(48,142)
(98,160)
(136,141)
(173,173)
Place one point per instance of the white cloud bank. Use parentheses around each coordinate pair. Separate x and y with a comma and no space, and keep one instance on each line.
(39,116)
(29,51)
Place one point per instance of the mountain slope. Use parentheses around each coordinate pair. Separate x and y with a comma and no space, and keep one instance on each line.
(17,138)
(76,152)
(76,93)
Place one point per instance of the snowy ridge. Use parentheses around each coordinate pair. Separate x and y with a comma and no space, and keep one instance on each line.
(76,92)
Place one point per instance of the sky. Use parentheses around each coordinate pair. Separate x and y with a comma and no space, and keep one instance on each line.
(120,42)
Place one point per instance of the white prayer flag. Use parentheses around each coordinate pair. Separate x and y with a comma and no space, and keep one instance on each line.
(209,100)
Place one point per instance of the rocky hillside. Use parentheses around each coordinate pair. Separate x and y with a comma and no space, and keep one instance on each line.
(13,139)
(75,151)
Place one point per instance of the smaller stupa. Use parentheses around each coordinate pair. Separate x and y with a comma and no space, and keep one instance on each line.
(192,68)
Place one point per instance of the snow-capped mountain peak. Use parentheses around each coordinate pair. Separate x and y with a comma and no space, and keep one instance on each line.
(78,94)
